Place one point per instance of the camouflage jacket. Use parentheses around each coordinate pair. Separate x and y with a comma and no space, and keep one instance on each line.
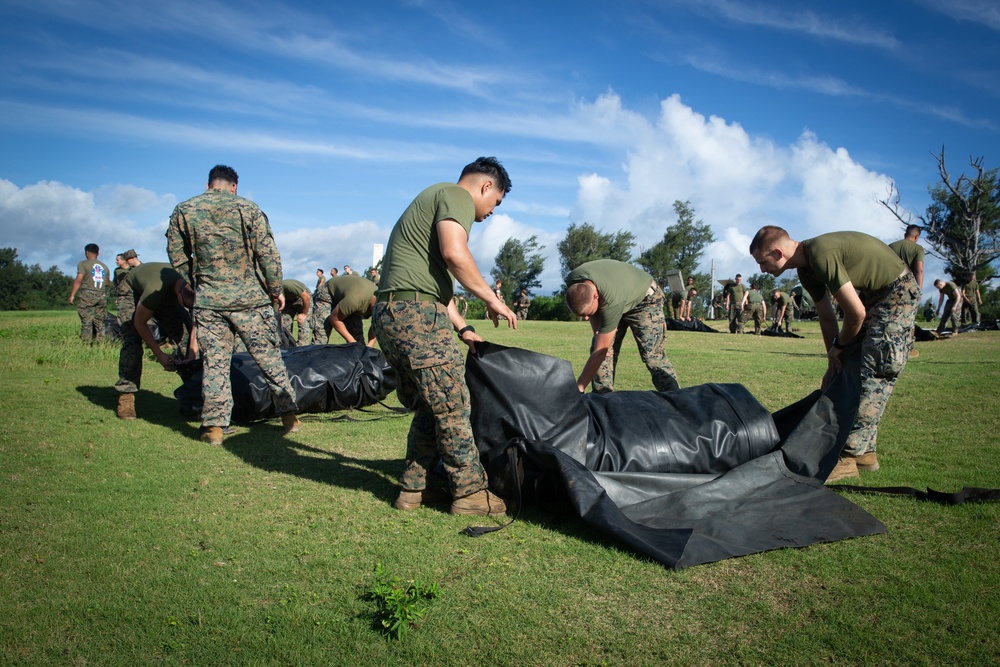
(222,245)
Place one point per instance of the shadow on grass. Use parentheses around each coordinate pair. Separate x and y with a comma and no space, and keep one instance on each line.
(264,445)
(149,407)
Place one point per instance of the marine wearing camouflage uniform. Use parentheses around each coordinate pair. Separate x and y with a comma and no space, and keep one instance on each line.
(152,286)
(124,301)
(351,296)
(294,305)
(737,317)
(784,300)
(321,307)
(522,304)
(416,336)
(755,309)
(890,294)
(970,300)
(629,299)
(91,300)
(222,245)
(952,307)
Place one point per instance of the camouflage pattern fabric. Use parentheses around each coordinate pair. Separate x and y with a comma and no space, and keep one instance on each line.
(523,304)
(303,335)
(970,302)
(222,245)
(321,311)
(950,312)
(649,328)
(173,322)
(756,311)
(418,341)
(885,347)
(737,317)
(258,329)
(124,301)
(92,307)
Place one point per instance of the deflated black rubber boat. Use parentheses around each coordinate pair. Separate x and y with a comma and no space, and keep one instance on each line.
(686,477)
(325,378)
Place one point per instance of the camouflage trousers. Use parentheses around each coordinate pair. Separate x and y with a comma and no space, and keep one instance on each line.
(885,347)
(92,307)
(173,322)
(355,326)
(756,311)
(321,311)
(787,319)
(737,318)
(970,308)
(522,314)
(303,336)
(124,303)
(950,313)
(217,333)
(649,328)
(418,340)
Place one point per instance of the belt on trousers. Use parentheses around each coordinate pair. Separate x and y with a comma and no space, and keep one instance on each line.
(401,295)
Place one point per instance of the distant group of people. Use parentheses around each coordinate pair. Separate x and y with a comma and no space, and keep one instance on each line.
(235,295)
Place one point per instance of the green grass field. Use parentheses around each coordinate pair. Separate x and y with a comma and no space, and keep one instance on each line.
(132,543)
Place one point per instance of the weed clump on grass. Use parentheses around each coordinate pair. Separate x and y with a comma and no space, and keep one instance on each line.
(399,605)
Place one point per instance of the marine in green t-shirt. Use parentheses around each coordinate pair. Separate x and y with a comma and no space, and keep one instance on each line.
(157,290)
(298,304)
(415,320)
(911,252)
(879,297)
(353,299)
(736,302)
(615,297)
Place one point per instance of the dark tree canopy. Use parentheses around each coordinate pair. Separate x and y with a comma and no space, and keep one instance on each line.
(682,247)
(962,223)
(584,243)
(25,287)
(518,264)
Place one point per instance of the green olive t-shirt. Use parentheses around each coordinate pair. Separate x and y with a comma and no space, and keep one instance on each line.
(413,259)
(838,258)
(621,287)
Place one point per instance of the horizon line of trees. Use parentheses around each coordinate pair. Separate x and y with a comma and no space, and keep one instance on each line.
(24,287)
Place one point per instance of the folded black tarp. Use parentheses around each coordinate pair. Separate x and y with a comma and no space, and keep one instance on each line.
(685,477)
(775,330)
(324,377)
(689,325)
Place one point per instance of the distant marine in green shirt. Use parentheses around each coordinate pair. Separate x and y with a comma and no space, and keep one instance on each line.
(616,297)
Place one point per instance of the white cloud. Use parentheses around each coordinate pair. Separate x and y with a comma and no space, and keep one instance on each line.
(49,223)
(305,250)
(735,183)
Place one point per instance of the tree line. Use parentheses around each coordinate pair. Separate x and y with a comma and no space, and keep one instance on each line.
(24,287)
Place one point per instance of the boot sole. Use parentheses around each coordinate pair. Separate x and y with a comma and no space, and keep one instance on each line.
(471,511)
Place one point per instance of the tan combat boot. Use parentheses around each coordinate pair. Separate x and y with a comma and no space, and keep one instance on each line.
(847,466)
(481,503)
(291,423)
(868,461)
(126,406)
(212,435)
(411,500)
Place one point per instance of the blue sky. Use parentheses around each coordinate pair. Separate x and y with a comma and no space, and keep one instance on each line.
(336,114)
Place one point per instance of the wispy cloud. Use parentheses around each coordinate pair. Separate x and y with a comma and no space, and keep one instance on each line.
(852,31)
(835,87)
(982,12)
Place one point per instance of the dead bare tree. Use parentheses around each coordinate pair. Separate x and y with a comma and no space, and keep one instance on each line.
(962,224)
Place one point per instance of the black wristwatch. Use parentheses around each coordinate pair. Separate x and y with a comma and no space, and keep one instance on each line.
(837,344)
(468,327)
